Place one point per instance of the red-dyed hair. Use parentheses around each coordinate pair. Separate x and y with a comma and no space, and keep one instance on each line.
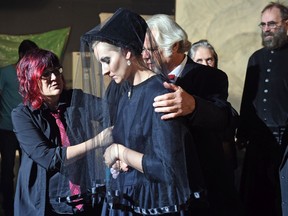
(29,71)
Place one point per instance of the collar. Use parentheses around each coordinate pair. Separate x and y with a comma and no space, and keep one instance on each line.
(61,104)
(178,70)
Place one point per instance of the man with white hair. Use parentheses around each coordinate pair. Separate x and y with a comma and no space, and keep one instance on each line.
(206,109)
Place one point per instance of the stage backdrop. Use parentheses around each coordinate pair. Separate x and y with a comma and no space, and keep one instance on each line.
(231,27)
(54,40)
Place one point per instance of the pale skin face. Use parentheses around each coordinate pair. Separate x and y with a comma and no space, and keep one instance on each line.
(204,56)
(51,88)
(113,62)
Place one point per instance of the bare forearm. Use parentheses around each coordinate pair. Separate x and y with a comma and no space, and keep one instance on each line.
(78,151)
(131,158)
(118,152)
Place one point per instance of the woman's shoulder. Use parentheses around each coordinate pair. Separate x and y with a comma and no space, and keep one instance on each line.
(19,108)
(23,109)
(156,84)
(21,113)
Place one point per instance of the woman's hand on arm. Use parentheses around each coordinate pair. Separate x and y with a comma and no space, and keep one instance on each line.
(103,139)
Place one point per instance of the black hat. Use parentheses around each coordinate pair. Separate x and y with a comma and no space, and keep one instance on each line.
(124,29)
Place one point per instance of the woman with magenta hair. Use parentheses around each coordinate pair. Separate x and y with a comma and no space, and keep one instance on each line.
(56,145)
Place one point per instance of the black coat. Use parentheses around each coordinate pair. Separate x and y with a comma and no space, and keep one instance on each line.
(264,103)
(209,86)
(41,172)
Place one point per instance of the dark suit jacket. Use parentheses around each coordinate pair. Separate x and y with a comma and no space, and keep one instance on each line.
(209,86)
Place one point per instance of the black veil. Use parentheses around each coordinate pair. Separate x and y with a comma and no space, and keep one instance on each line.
(87,116)
(100,107)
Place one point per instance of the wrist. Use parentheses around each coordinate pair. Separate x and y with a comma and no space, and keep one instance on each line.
(120,149)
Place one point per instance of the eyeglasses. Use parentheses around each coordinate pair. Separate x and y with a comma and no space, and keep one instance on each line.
(47,73)
(270,25)
(150,50)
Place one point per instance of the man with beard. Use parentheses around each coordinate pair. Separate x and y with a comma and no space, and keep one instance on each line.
(263,119)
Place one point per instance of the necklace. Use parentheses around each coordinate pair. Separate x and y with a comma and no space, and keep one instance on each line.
(130,92)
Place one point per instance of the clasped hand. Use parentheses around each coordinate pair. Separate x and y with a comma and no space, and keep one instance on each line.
(112,157)
(112,154)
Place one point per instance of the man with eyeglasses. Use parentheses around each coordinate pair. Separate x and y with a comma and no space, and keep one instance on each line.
(263,118)
(200,95)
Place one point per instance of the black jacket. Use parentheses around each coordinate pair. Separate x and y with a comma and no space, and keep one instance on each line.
(264,108)
(212,115)
(42,167)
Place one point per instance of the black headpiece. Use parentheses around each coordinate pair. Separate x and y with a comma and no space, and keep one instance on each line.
(124,29)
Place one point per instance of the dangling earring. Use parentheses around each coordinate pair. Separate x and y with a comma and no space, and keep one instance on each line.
(128,62)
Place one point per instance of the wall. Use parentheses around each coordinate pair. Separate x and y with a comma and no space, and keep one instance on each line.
(37,16)
(231,27)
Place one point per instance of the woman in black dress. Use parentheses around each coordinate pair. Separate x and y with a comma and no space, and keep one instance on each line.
(147,159)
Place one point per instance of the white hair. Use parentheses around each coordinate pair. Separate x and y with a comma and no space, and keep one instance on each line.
(167,32)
